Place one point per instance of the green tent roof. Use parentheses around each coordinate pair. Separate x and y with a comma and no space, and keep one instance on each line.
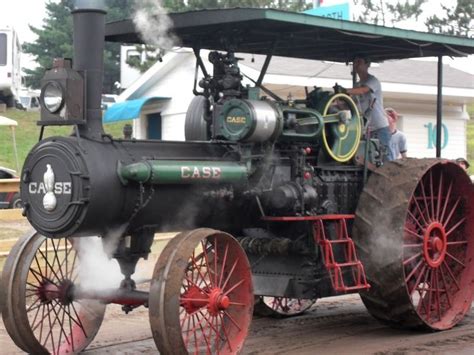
(297,35)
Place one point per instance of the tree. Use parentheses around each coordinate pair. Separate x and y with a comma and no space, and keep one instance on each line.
(116,10)
(55,41)
(457,21)
(181,5)
(146,55)
(380,12)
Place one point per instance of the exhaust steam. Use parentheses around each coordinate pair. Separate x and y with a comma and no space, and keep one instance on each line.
(97,271)
(151,19)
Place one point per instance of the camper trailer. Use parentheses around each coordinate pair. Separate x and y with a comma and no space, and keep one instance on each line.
(10,68)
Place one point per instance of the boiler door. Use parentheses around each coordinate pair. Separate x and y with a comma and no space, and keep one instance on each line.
(54,187)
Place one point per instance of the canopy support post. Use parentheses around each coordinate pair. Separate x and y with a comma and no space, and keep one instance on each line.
(264,69)
(439,107)
(199,61)
(15,150)
(266,64)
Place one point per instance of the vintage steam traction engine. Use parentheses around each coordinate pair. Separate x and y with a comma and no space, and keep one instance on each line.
(271,194)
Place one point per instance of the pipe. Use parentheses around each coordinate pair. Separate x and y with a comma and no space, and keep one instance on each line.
(183,172)
(439,107)
(88,41)
(116,296)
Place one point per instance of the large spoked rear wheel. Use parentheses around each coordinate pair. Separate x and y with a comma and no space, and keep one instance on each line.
(40,314)
(281,307)
(201,296)
(414,229)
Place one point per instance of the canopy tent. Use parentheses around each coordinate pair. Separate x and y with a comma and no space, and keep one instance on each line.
(5,121)
(296,35)
(130,109)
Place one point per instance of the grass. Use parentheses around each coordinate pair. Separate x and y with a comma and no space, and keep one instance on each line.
(27,134)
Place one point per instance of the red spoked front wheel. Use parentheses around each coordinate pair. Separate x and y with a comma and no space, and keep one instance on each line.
(418,217)
(41,314)
(201,297)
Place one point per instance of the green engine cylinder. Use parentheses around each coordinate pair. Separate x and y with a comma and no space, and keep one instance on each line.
(248,121)
(261,121)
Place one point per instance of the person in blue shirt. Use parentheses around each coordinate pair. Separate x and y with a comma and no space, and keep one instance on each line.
(398,142)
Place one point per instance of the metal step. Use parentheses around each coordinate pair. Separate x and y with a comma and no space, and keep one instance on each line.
(357,281)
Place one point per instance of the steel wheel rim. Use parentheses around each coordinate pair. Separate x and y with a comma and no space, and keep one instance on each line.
(437,248)
(285,306)
(201,311)
(40,314)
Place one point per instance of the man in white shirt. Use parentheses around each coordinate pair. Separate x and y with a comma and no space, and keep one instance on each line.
(368,90)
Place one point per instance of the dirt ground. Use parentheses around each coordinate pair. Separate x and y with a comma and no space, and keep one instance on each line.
(338,325)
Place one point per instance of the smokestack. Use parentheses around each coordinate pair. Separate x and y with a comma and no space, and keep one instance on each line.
(88,41)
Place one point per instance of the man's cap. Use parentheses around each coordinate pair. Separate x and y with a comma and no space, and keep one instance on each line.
(462,160)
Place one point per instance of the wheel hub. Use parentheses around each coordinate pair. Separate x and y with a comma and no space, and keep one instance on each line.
(48,291)
(217,301)
(195,298)
(434,244)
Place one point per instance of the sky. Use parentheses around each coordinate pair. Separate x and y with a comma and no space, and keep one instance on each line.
(21,13)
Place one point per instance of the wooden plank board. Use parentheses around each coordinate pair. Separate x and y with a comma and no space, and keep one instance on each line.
(11,215)
(10,185)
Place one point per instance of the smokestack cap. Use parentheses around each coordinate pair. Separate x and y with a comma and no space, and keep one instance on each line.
(89,5)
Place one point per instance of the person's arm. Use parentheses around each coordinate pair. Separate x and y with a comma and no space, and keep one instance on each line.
(361,90)
(403,146)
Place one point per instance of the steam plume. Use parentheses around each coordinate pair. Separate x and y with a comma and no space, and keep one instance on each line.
(96,270)
(152,20)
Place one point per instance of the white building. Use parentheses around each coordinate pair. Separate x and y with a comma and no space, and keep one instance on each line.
(409,86)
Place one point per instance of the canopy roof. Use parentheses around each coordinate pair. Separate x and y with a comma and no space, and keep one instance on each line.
(4,121)
(296,35)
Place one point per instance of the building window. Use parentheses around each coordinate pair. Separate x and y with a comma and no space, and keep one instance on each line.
(3,49)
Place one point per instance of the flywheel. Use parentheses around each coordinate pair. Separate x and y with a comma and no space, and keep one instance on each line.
(342,127)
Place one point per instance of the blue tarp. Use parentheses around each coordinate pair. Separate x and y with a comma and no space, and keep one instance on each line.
(129,110)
